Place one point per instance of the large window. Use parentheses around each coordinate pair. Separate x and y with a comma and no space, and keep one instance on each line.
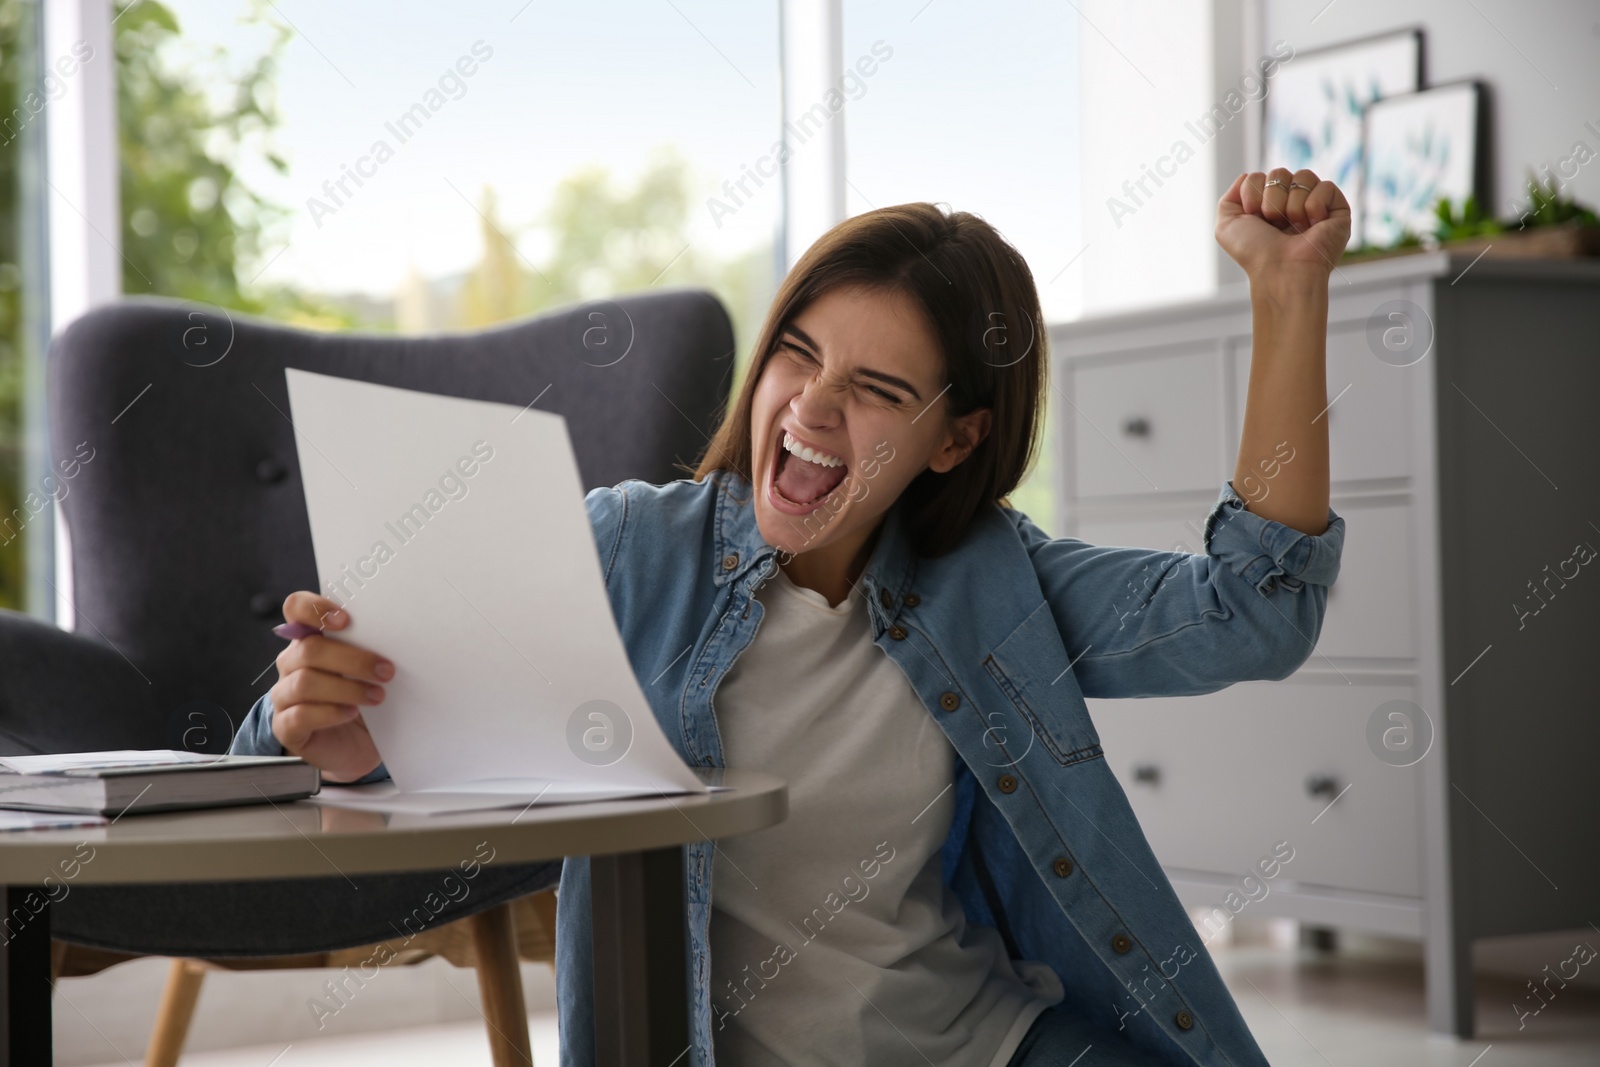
(420,167)
(12,558)
(416,167)
(25,496)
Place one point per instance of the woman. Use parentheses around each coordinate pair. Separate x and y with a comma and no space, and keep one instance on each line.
(960,879)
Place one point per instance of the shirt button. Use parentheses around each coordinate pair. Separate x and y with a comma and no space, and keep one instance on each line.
(912,600)
(1121,944)
(1007,784)
(885,599)
(1184,1020)
(950,702)
(730,561)
(1062,866)
(897,632)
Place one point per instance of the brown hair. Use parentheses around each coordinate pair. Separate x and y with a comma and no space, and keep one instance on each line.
(978,296)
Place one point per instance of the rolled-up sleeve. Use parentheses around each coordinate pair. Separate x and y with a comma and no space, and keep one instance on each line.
(1138,622)
(1266,553)
(255,738)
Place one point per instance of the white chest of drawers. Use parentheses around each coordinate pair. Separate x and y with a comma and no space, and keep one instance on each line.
(1466,476)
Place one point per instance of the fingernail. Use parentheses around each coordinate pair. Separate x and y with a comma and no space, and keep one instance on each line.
(374,693)
(333,618)
(350,711)
(384,670)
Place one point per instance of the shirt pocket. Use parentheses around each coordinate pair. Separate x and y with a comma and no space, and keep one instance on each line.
(1031,668)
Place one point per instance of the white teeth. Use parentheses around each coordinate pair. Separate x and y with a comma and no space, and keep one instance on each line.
(810,455)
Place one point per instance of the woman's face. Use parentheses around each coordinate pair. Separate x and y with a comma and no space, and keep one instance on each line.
(857,378)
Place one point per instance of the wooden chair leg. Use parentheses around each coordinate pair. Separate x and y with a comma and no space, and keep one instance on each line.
(494,943)
(175,1013)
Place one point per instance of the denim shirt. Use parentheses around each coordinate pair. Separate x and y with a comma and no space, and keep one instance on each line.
(1002,639)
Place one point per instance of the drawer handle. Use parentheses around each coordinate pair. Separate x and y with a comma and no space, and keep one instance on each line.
(1148,773)
(1137,426)
(1322,785)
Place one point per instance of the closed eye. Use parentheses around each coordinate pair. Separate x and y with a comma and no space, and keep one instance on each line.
(789,346)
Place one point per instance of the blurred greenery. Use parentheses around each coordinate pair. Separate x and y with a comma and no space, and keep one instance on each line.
(1544,204)
(192,228)
(1547,206)
(607,239)
(1036,496)
(1470,221)
(188,220)
(14,26)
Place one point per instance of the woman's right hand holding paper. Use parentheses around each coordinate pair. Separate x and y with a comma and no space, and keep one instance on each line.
(323,682)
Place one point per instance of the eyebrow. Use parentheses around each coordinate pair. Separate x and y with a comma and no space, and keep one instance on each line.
(889,379)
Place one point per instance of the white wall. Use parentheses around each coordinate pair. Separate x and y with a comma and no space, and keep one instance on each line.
(1141,78)
(1540,58)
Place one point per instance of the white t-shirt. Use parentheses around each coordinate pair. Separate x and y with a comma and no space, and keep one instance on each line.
(833,937)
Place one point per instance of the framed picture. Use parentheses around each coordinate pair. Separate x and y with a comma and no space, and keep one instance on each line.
(1315,104)
(1420,147)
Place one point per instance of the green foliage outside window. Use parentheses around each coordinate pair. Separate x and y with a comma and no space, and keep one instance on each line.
(189,222)
(187,219)
(14,28)
(193,229)
(609,239)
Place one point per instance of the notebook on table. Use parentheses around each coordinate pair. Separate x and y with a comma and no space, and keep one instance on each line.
(145,780)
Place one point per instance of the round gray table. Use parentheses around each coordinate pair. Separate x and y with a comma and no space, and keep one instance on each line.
(636,875)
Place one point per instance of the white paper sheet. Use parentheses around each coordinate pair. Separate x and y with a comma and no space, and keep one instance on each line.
(376,797)
(455,533)
(384,797)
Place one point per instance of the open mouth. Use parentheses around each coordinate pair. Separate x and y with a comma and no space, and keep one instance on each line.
(803,476)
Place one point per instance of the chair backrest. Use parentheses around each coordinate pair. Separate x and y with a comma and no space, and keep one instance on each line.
(184,504)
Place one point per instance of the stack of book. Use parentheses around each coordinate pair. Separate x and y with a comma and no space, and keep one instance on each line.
(99,784)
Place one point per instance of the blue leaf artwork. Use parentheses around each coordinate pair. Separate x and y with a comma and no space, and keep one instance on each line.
(1315,103)
(1420,148)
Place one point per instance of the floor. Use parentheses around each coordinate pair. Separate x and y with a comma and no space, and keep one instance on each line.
(459,1044)
(1366,1007)
(1362,1005)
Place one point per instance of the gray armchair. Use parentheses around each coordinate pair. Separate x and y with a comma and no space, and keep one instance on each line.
(188,528)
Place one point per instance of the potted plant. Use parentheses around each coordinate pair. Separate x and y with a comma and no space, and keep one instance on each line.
(1553,226)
